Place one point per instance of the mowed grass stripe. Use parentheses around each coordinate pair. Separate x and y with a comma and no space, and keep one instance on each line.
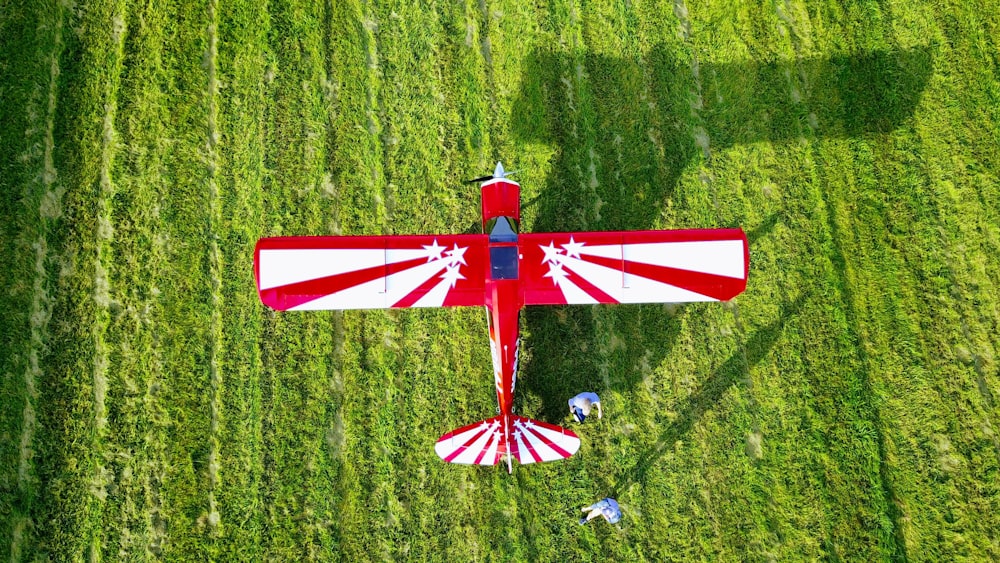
(103,476)
(863,428)
(939,365)
(834,160)
(461,85)
(186,285)
(242,64)
(856,268)
(864,391)
(80,379)
(97,256)
(737,96)
(29,170)
(353,145)
(296,386)
(405,53)
(797,382)
(133,520)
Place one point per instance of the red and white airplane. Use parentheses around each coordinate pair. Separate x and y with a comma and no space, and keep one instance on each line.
(502,270)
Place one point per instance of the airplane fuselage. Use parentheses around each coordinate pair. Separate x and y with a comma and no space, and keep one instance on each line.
(501,219)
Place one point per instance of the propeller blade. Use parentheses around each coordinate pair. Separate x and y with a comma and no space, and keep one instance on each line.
(479,179)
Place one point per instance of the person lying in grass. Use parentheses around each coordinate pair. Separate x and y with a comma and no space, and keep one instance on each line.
(607,507)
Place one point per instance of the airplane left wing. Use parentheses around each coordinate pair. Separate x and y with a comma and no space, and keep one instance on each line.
(371,272)
(633,266)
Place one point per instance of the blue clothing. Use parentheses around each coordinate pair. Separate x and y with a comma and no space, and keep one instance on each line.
(581,401)
(609,509)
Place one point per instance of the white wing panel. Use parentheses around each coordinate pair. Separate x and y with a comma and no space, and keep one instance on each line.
(368,295)
(292,265)
(574,295)
(608,280)
(718,257)
(644,290)
(604,250)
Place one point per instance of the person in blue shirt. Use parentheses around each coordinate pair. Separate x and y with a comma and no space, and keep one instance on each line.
(608,508)
(581,405)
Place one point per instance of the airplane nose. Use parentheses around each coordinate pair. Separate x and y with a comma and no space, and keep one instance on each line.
(498,172)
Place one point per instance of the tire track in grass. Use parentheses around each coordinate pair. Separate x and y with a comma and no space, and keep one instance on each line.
(214,265)
(789,26)
(155,437)
(46,184)
(138,407)
(707,96)
(101,476)
(845,290)
(853,320)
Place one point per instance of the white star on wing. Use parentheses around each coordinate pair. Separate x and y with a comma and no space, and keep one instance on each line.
(552,254)
(452,274)
(557,273)
(573,248)
(456,255)
(433,251)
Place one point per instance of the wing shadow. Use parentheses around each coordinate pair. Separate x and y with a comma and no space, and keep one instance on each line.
(622,127)
(622,135)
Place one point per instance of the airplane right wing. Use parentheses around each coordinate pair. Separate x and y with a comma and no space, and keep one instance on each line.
(633,266)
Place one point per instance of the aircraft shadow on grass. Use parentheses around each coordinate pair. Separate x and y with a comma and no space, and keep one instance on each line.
(733,371)
(625,105)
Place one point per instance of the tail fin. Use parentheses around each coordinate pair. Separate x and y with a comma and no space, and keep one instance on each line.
(507,436)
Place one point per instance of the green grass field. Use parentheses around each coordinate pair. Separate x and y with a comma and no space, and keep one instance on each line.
(845,407)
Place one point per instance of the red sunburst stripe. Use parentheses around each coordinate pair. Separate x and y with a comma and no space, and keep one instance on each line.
(531,449)
(710,285)
(590,289)
(482,452)
(412,297)
(550,444)
(300,293)
(458,451)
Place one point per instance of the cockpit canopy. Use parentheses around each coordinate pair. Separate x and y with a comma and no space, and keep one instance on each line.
(503,247)
(502,229)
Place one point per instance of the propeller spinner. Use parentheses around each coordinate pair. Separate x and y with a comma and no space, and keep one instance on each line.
(498,172)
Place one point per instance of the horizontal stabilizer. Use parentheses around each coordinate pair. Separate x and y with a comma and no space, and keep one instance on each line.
(490,441)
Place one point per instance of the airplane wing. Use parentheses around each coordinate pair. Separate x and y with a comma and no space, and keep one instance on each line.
(371,272)
(633,266)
